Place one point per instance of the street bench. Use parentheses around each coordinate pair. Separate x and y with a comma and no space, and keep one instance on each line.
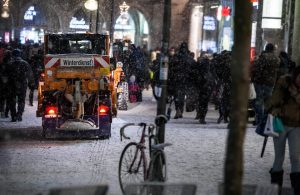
(80,190)
(260,190)
(152,188)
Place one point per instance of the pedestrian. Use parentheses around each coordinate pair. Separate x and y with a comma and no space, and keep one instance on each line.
(264,75)
(4,98)
(180,69)
(226,83)
(286,65)
(137,68)
(36,63)
(133,88)
(204,82)
(285,103)
(19,75)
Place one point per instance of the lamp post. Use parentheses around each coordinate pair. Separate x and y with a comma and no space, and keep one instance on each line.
(91,5)
(112,19)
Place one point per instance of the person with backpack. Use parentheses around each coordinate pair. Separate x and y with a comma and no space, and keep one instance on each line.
(285,103)
(19,77)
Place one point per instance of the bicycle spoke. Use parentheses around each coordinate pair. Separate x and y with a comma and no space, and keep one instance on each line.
(131,168)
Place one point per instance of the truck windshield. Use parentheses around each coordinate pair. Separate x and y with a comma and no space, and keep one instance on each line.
(67,44)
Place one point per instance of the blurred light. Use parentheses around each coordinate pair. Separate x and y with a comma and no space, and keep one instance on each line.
(5,14)
(214,6)
(219,13)
(124,8)
(226,11)
(91,5)
(199,6)
(103,110)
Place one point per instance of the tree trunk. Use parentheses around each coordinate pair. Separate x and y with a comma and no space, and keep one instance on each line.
(296,34)
(239,100)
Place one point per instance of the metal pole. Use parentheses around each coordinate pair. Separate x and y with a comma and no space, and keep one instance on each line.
(112,19)
(163,76)
(161,105)
(97,16)
(91,15)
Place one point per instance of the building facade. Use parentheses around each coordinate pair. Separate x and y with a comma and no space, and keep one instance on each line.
(205,24)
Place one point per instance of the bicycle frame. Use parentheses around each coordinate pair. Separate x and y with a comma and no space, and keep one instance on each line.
(140,147)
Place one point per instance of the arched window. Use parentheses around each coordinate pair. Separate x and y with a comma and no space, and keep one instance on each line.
(34,24)
(125,28)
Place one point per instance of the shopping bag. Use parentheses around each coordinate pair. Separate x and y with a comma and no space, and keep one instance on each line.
(278,125)
(269,128)
(252,93)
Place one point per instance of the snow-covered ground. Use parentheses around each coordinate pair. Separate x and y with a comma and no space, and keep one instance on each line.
(196,156)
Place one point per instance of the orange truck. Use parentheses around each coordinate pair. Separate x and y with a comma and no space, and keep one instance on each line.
(77,94)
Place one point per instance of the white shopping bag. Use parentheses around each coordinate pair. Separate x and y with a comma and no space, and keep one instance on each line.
(252,93)
(269,129)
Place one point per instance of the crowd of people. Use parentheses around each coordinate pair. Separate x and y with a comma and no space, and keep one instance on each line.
(192,84)
(20,68)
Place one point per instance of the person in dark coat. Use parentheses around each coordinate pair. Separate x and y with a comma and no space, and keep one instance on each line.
(19,75)
(137,68)
(180,69)
(4,98)
(37,67)
(264,75)
(205,80)
(286,65)
(226,82)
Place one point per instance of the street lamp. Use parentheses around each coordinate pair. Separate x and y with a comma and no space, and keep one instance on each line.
(5,13)
(91,5)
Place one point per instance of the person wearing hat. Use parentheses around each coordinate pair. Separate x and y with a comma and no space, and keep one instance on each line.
(285,103)
(264,75)
(19,75)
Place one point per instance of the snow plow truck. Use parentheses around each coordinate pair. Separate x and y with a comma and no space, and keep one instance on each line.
(76,93)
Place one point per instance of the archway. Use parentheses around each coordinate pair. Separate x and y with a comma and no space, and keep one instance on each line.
(132,27)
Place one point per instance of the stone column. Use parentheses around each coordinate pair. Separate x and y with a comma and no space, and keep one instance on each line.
(296,36)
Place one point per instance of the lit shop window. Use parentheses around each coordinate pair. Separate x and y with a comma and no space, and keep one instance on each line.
(30,13)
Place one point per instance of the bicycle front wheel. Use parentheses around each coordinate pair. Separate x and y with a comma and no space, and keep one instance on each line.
(132,165)
(160,158)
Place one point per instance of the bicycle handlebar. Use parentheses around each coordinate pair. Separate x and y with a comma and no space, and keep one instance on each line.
(122,134)
(151,126)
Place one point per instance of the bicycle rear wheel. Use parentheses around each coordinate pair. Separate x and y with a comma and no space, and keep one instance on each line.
(132,165)
(160,157)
